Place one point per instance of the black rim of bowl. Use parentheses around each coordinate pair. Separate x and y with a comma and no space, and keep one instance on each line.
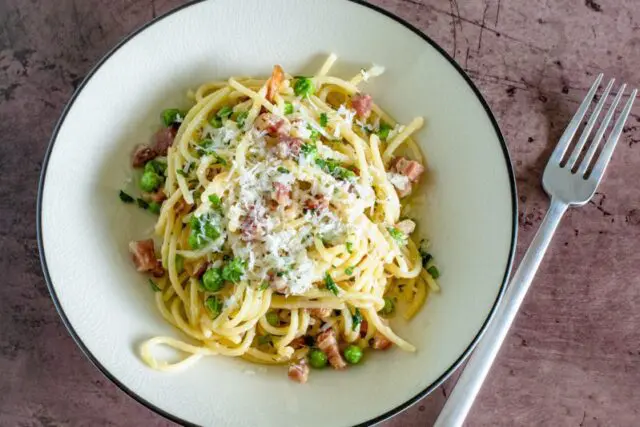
(370,422)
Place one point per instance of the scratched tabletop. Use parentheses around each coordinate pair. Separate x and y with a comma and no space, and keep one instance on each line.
(573,355)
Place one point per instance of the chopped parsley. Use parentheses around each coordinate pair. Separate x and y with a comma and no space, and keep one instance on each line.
(324,119)
(383,133)
(202,231)
(263,286)
(433,271)
(182,173)
(356,318)
(241,118)
(125,197)
(214,304)
(153,286)
(216,203)
(234,270)
(282,169)
(330,284)
(314,133)
(397,235)
(333,168)
(309,150)
(303,87)
(264,339)
(225,112)
(216,122)
(349,271)
(426,256)
(350,247)
(288,108)
(142,203)
(171,116)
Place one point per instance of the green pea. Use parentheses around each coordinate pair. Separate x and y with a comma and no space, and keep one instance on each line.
(353,354)
(154,207)
(317,358)
(383,133)
(303,87)
(212,280)
(211,231)
(156,167)
(225,112)
(179,260)
(150,181)
(194,241)
(288,108)
(272,318)
(389,306)
(215,305)
(171,116)
(433,271)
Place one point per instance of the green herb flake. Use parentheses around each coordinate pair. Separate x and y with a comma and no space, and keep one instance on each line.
(330,284)
(283,169)
(349,271)
(384,130)
(142,203)
(125,197)
(214,305)
(349,247)
(263,286)
(303,87)
(288,108)
(234,270)
(225,112)
(356,319)
(153,286)
(433,271)
(216,202)
(397,235)
(324,119)
(171,116)
(241,118)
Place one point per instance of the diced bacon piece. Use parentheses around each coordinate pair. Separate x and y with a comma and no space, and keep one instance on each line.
(364,328)
(326,342)
(407,226)
(197,269)
(299,371)
(142,154)
(297,343)
(380,342)
(320,313)
(282,193)
(273,85)
(181,207)
(163,139)
(278,284)
(362,103)
(271,124)
(409,168)
(318,202)
(288,147)
(250,228)
(157,196)
(144,257)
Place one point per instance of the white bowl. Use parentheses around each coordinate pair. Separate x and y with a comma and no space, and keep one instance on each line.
(470,216)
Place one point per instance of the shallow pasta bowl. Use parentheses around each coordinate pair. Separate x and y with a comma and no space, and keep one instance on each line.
(468,208)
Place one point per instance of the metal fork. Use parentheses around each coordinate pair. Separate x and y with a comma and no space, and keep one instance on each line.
(568,183)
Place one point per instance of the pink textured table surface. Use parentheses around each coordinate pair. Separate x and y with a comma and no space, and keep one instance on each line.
(573,356)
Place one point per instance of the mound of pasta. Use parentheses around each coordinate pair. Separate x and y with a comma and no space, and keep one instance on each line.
(281,232)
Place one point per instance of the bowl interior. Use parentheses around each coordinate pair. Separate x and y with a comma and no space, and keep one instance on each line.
(466,209)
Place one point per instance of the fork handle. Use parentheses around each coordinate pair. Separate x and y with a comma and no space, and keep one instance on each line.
(464,393)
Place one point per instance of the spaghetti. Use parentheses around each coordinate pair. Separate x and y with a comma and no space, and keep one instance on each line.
(280,204)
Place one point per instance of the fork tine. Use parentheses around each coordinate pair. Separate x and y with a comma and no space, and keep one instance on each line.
(590,124)
(571,129)
(607,151)
(586,161)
